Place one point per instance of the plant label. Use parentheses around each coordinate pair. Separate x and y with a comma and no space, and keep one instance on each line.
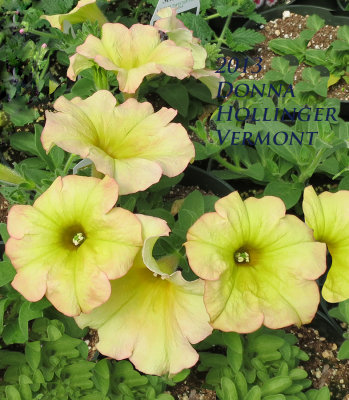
(179,5)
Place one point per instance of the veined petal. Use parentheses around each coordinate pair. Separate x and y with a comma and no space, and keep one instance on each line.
(148,313)
(71,242)
(77,64)
(135,53)
(260,266)
(129,142)
(328,216)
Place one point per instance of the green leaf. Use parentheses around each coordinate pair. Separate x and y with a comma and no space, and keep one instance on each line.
(229,389)
(276,385)
(33,354)
(181,376)
(254,394)
(199,91)
(3,232)
(316,57)
(24,142)
(40,150)
(343,33)
(343,352)
(226,7)
(8,175)
(176,95)
(198,25)
(315,22)
(235,350)
(288,192)
(27,312)
(101,376)
(12,393)
(243,39)
(20,113)
(3,304)
(7,272)
(265,343)
(296,47)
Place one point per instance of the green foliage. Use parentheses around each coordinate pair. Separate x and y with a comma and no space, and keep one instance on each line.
(241,39)
(335,58)
(341,312)
(282,169)
(261,365)
(55,365)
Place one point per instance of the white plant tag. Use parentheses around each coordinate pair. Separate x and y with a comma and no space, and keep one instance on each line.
(81,164)
(179,5)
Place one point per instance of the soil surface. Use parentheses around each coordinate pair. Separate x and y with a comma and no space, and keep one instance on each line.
(323,367)
(290,28)
(4,205)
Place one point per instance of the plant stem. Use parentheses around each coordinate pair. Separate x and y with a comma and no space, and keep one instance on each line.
(225,27)
(44,34)
(213,16)
(228,165)
(68,164)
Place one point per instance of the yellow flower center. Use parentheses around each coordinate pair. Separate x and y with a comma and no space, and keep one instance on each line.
(242,257)
(78,239)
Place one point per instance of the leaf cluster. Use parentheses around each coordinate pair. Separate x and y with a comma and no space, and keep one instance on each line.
(335,58)
(282,170)
(261,365)
(55,365)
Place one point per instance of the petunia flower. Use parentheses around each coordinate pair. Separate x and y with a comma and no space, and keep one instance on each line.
(129,142)
(183,37)
(71,242)
(85,10)
(153,315)
(328,216)
(258,263)
(132,54)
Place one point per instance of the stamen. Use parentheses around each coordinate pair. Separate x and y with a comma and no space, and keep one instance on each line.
(78,239)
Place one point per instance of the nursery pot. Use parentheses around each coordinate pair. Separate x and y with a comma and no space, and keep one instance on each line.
(205,180)
(329,4)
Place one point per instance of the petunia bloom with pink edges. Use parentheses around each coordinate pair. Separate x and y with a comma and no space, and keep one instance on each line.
(183,37)
(132,53)
(71,242)
(328,216)
(153,314)
(259,264)
(85,10)
(129,142)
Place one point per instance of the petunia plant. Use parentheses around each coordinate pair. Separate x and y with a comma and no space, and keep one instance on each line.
(132,53)
(259,265)
(128,141)
(327,215)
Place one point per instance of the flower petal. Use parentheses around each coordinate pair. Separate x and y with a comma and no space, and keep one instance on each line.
(328,216)
(85,10)
(275,283)
(155,321)
(129,142)
(71,242)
